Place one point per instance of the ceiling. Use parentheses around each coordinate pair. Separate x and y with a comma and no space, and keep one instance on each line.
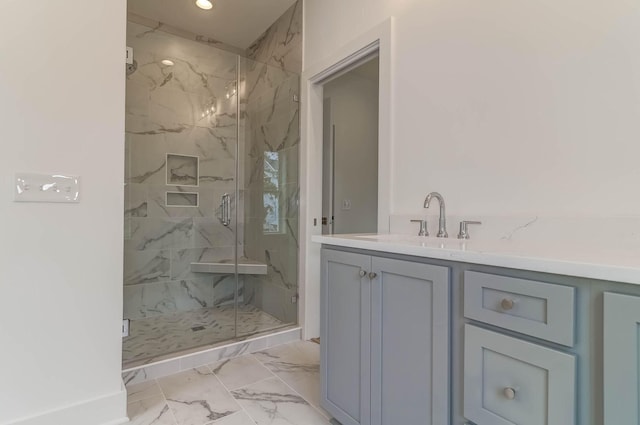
(235,22)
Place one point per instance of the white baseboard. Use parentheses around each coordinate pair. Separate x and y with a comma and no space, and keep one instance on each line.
(107,410)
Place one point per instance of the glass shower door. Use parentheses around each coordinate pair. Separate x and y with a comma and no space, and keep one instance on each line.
(181,226)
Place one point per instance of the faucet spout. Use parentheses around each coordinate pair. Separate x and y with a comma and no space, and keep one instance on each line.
(442,222)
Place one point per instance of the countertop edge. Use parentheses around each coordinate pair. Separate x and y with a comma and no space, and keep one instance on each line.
(590,270)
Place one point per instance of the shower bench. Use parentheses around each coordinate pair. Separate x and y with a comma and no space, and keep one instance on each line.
(228,267)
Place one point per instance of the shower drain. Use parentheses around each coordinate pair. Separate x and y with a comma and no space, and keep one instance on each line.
(197,328)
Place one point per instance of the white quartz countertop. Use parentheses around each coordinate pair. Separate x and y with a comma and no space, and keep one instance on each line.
(596,262)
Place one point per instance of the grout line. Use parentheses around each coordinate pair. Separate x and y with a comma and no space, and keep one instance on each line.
(147,397)
(316,408)
(166,402)
(231,395)
(253,383)
(300,395)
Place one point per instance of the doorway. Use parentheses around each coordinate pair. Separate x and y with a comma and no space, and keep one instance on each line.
(350,150)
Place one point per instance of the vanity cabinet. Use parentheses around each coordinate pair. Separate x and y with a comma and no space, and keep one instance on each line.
(418,341)
(384,340)
(621,359)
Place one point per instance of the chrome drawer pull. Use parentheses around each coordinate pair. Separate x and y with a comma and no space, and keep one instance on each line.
(363,273)
(507,304)
(372,275)
(509,393)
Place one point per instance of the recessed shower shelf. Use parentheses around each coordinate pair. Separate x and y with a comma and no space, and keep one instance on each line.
(228,267)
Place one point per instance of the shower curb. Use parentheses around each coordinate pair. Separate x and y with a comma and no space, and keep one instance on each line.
(182,362)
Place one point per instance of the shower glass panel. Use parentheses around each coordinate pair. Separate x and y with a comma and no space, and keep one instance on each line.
(269,134)
(211,196)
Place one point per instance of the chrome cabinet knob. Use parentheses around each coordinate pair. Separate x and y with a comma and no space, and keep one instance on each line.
(507,304)
(509,393)
(372,275)
(363,273)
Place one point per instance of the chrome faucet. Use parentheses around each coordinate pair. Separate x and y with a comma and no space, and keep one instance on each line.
(442,222)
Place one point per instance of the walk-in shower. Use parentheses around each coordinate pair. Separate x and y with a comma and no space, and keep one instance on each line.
(211,214)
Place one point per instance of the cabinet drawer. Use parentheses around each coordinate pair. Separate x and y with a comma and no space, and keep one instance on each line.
(542,310)
(508,381)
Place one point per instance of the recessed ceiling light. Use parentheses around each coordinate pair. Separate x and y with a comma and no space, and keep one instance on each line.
(167,62)
(204,4)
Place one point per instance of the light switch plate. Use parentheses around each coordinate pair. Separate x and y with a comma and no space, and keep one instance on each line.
(32,187)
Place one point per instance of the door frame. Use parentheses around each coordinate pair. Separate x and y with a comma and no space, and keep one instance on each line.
(378,39)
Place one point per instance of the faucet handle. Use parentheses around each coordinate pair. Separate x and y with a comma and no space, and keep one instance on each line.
(464,233)
(423,227)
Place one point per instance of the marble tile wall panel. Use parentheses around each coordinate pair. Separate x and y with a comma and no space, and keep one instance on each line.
(217,141)
(147,266)
(136,200)
(224,290)
(195,64)
(272,299)
(159,233)
(218,174)
(156,299)
(147,156)
(166,28)
(281,44)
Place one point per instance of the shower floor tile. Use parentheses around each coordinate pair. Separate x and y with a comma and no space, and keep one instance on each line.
(158,336)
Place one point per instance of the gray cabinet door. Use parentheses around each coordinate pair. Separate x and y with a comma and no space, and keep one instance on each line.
(345,336)
(621,359)
(410,343)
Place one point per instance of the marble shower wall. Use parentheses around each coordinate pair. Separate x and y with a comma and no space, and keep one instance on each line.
(272,125)
(169,112)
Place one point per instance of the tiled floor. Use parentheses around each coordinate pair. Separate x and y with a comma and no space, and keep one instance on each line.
(278,386)
(170,333)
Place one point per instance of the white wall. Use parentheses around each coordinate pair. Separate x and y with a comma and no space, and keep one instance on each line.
(505,107)
(62,110)
(354,112)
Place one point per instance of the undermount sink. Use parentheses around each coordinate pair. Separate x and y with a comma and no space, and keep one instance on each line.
(429,241)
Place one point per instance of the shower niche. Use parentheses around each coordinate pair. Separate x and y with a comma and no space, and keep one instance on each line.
(182,170)
(211,219)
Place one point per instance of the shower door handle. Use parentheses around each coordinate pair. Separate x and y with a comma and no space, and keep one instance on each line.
(225,206)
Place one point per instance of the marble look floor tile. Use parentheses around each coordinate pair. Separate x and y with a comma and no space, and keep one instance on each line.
(239,372)
(272,402)
(240,418)
(196,397)
(143,391)
(150,411)
(297,364)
